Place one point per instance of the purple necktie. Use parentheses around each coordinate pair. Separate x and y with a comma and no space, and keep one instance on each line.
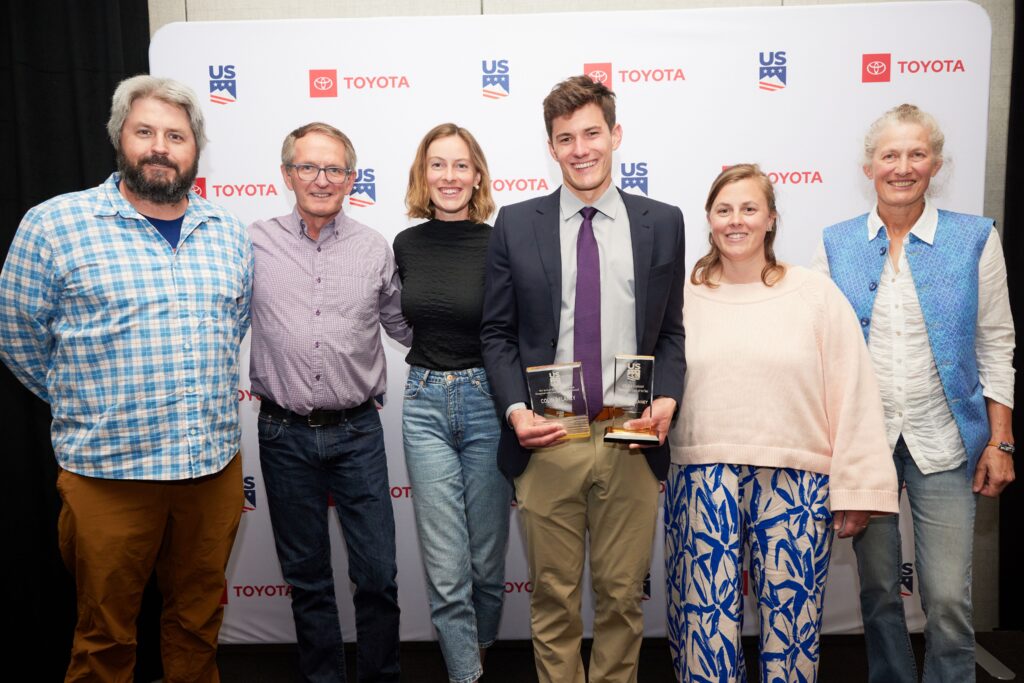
(587,323)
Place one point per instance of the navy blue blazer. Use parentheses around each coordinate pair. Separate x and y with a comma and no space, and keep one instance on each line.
(523,298)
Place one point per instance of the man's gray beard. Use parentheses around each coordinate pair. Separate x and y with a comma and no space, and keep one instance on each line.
(158,191)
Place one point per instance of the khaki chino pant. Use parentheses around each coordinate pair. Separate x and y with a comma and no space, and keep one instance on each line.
(113,533)
(567,491)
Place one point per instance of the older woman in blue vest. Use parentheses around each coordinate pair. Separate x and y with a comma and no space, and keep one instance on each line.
(929,287)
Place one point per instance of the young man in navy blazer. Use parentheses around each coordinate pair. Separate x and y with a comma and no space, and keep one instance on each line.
(583,274)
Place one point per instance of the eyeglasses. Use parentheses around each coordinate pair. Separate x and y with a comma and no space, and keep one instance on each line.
(310,172)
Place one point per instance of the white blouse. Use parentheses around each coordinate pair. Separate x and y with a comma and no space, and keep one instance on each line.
(912,396)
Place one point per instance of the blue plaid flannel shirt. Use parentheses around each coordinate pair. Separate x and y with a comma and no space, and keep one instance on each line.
(133,345)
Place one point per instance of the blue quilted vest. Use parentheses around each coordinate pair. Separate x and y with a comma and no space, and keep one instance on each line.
(945,275)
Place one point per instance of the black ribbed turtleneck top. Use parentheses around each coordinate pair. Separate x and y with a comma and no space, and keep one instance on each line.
(441,264)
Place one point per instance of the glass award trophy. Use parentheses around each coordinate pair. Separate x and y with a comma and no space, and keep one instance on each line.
(633,393)
(556,393)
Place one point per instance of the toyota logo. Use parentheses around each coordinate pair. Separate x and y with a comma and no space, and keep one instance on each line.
(875,68)
(598,76)
(198,190)
(323,83)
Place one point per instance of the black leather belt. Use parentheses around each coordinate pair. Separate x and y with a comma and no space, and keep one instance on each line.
(319,417)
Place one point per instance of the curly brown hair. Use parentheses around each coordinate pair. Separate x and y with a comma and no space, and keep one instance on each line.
(574,93)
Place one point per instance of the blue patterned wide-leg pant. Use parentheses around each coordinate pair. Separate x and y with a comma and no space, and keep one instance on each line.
(713,514)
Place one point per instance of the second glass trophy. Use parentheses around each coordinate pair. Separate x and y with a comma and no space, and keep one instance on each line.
(634,391)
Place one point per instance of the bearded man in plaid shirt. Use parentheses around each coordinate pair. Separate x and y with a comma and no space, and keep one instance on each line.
(123,307)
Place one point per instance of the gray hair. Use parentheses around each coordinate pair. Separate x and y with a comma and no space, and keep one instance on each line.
(163,89)
(288,148)
(905,113)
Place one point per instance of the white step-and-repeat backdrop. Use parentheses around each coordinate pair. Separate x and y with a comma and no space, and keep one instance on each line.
(791,88)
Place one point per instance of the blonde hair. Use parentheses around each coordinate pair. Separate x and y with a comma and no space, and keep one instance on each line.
(905,113)
(711,263)
(417,196)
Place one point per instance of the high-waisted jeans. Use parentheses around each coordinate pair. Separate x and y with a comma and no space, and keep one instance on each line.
(462,502)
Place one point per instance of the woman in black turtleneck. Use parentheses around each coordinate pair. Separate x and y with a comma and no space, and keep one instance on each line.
(449,425)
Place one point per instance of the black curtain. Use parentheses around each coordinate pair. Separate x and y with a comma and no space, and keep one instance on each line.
(1011,503)
(59,64)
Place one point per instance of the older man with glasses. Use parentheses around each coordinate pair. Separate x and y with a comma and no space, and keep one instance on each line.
(324,285)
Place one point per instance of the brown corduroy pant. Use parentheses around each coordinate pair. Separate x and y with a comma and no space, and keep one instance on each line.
(113,533)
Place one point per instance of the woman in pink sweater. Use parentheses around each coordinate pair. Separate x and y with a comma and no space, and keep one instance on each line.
(780,442)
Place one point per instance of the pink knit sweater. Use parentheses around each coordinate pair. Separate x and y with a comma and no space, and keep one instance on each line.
(780,377)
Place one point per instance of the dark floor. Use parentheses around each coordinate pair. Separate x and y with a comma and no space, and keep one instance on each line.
(842,660)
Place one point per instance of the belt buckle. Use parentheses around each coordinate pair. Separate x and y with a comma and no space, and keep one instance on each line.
(314,420)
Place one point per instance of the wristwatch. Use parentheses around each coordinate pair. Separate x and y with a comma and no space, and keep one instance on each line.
(1004,446)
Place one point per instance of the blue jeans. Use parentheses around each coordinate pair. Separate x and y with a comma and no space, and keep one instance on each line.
(302,465)
(450,432)
(942,505)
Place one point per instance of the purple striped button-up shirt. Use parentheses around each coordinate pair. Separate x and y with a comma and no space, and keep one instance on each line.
(317,309)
